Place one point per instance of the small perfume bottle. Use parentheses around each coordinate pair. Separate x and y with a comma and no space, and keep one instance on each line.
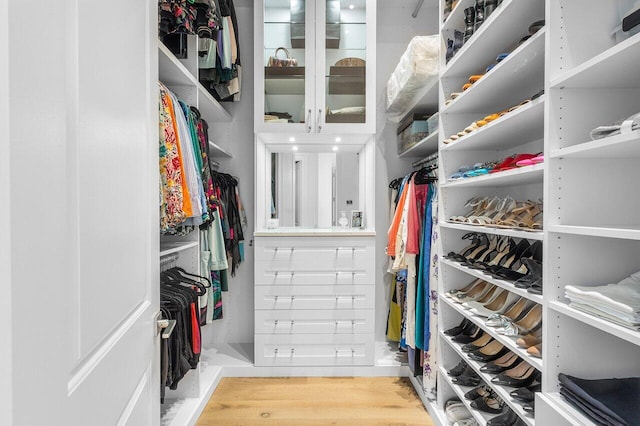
(343,221)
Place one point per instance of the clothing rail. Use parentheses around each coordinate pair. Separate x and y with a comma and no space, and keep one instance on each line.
(417,9)
(433,158)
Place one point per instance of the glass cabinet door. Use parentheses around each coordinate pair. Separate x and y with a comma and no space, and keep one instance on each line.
(344,44)
(288,63)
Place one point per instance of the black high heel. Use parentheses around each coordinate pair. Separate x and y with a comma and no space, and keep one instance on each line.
(464,325)
(512,258)
(519,269)
(504,246)
(476,241)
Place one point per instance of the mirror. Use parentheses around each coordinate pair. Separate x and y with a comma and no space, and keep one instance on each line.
(311,186)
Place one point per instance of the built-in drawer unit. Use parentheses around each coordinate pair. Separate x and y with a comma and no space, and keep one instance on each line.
(314,301)
(339,296)
(315,322)
(314,349)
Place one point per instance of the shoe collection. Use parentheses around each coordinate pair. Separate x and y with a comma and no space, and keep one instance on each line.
(507,313)
(488,119)
(505,213)
(506,367)
(512,162)
(474,16)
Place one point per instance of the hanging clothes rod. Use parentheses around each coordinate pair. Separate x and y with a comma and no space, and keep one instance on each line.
(417,9)
(430,159)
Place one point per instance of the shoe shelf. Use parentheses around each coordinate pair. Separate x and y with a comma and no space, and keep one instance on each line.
(425,99)
(609,327)
(519,75)
(562,414)
(437,414)
(173,73)
(529,235)
(425,147)
(507,341)
(523,125)
(501,391)
(610,69)
(520,176)
(481,417)
(627,232)
(506,25)
(619,146)
(507,285)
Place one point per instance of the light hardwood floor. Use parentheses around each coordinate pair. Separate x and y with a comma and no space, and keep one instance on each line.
(351,401)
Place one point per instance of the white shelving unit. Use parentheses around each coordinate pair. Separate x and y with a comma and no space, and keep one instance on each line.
(509,83)
(588,85)
(479,416)
(425,147)
(184,405)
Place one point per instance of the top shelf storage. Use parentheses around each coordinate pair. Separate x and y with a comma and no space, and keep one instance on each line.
(175,75)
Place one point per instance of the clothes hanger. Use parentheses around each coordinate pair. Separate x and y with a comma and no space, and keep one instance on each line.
(183,272)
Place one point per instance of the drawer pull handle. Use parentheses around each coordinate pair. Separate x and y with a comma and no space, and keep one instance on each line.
(275,323)
(353,352)
(276,274)
(292,323)
(275,351)
(293,298)
(293,351)
(275,298)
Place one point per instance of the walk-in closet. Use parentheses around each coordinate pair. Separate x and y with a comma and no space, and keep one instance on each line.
(233,211)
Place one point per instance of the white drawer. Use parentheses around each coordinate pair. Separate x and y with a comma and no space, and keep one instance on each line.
(265,276)
(315,297)
(315,322)
(314,350)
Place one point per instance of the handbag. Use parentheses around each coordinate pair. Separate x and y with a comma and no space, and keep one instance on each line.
(274,61)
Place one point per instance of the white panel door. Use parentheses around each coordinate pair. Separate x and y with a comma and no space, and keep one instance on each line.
(84,212)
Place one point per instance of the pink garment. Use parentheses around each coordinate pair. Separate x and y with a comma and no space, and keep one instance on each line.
(413,221)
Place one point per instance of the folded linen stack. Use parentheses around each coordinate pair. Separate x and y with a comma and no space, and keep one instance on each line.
(618,303)
(610,402)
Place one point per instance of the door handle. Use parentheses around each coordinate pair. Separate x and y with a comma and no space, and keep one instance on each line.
(166,327)
(309,121)
(320,120)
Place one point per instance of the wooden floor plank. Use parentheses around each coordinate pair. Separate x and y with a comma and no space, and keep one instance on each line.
(316,401)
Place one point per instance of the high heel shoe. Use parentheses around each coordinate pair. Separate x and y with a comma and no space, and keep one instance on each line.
(508,418)
(476,241)
(467,378)
(485,298)
(530,321)
(520,376)
(469,20)
(518,269)
(534,273)
(478,392)
(458,369)
(505,362)
(469,336)
(499,304)
(464,325)
(504,246)
(477,291)
(489,404)
(493,350)
(480,342)
(530,339)
(477,204)
(483,246)
(513,313)
(511,258)
(491,249)
(455,291)
(535,350)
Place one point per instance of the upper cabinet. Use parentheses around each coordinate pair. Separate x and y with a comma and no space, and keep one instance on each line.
(315,66)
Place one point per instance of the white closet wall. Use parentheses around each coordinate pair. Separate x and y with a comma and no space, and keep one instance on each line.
(6,400)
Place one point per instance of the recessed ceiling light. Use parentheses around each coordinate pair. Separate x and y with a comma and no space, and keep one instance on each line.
(335,148)
(351,6)
(295,148)
(338,139)
(292,139)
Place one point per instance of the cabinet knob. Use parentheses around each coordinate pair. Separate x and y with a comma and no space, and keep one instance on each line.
(293,350)
(319,120)
(275,323)
(309,121)
(275,351)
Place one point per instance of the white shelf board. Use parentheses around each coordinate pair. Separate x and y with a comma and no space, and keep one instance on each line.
(437,414)
(619,146)
(186,411)
(170,248)
(568,412)
(525,64)
(500,390)
(507,341)
(480,417)
(599,323)
(519,176)
(493,231)
(211,109)
(425,147)
(613,68)
(507,24)
(171,71)
(425,99)
(626,232)
(507,285)
(217,151)
(518,127)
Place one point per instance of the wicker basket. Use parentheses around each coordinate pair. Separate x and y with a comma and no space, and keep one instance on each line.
(350,62)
